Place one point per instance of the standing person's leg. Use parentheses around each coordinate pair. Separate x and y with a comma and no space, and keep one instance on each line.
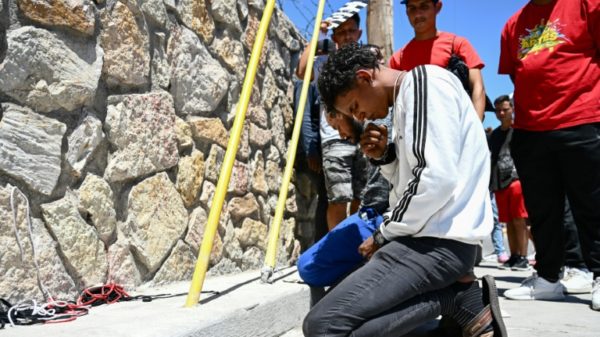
(535,158)
(503,203)
(576,277)
(518,216)
(573,255)
(497,235)
(582,146)
(338,157)
(397,272)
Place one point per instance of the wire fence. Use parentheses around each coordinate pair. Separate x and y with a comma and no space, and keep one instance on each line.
(306,10)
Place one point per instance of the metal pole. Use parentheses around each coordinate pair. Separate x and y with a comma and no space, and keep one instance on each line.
(232,146)
(269,266)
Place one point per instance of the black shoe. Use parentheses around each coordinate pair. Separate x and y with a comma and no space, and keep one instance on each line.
(510,263)
(490,298)
(522,264)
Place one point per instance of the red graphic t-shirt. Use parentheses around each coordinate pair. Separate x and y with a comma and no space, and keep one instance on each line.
(552,53)
(435,51)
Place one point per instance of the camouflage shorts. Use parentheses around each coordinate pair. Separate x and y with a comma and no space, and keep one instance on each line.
(344,167)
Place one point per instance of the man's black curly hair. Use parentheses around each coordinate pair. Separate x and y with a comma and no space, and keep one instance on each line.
(338,74)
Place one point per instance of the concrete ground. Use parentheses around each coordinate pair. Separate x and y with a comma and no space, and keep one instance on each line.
(245,307)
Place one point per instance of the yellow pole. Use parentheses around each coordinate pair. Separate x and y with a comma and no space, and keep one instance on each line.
(232,146)
(269,265)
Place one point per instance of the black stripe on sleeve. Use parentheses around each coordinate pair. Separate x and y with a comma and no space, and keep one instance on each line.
(419,137)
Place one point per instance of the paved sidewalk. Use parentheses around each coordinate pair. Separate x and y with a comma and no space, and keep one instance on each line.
(247,308)
(244,307)
(571,317)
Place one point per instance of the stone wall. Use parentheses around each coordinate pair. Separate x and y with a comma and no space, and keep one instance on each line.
(114,123)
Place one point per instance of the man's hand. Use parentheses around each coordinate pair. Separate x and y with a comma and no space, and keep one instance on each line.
(373,140)
(314,163)
(368,248)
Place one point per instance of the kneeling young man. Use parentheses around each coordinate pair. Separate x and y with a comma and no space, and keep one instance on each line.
(438,165)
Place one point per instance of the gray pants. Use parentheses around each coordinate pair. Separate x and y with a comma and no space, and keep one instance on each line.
(400,288)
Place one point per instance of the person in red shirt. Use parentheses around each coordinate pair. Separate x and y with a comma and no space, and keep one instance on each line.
(430,46)
(551,50)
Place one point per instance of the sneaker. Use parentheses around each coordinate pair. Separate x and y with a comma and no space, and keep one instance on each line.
(502,257)
(536,288)
(576,281)
(522,264)
(490,258)
(596,295)
(509,263)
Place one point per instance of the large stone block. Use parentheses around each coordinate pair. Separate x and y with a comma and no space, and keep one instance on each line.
(278,129)
(190,176)
(96,199)
(122,266)
(232,53)
(183,132)
(155,11)
(156,219)
(198,82)
(259,137)
(84,141)
(252,233)
(45,73)
(256,112)
(241,208)
(84,251)
(209,131)
(142,129)
(33,157)
(214,161)
(239,180)
(78,15)
(160,70)
(18,268)
(195,234)
(195,15)
(224,11)
(126,45)
(258,181)
(179,266)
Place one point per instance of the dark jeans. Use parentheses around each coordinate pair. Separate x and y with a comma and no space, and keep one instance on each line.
(573,255)
(550,164)
(400,288)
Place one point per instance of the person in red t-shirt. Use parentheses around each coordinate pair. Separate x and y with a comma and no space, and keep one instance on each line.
(430,46)
(551,50)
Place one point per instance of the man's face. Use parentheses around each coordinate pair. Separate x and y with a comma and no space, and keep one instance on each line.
(366,100)
(344,126)
(346,33)
(504,111)
(422,13)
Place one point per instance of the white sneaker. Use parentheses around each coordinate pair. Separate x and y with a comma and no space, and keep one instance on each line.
(536,288)
(577,281)
(596,294)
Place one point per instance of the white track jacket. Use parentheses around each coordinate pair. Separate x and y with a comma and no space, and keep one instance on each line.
(441,173)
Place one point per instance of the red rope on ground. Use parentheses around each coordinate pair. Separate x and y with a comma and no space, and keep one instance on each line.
(108,293)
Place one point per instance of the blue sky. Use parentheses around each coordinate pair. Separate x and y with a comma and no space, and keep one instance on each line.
(480,21)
